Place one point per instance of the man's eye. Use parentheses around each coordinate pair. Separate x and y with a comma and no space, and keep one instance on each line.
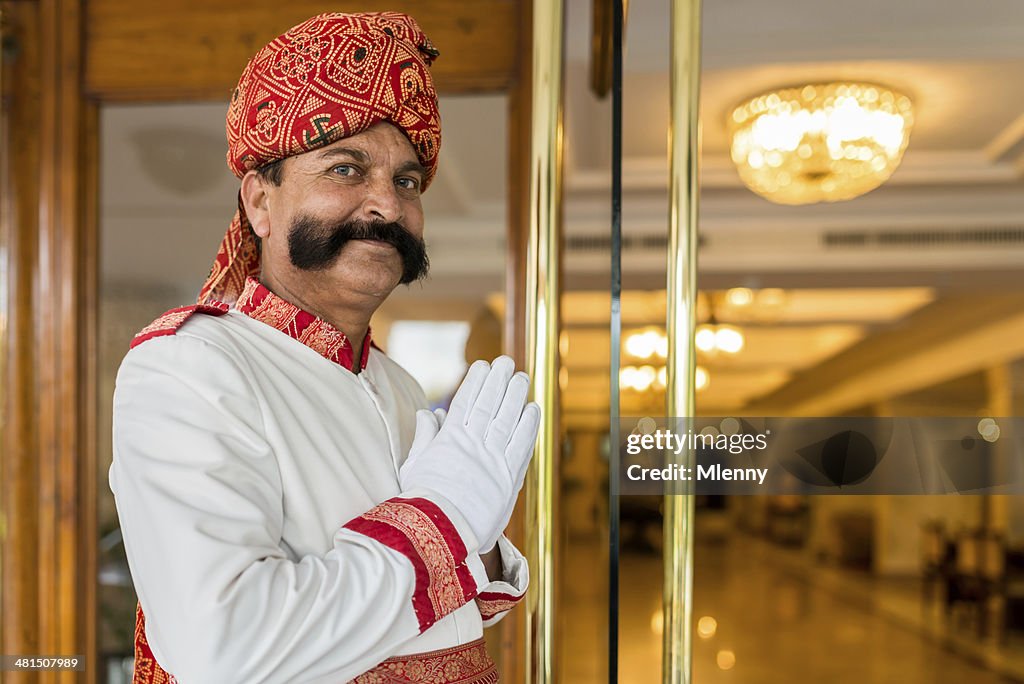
(407,183)
(344,170)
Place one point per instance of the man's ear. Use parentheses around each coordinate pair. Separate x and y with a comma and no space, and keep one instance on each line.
(256,200)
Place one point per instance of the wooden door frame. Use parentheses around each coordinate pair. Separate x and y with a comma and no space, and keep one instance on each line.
(48,230)
(63,60)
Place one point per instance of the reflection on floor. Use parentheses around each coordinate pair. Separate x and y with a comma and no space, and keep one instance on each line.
(769,617)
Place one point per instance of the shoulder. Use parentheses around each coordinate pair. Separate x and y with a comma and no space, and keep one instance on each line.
(187,342)
(187,361)
(170,322)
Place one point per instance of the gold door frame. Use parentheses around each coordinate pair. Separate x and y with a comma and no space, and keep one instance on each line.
(542,330)
(684,136)
(542,321)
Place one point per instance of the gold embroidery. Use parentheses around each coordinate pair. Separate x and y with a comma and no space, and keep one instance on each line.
(445,591)
(466,664)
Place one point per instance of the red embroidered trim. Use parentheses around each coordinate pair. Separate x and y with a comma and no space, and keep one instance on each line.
(169,322)
(492,603)
(466,664)
(421,532)
(259,303)
(147,671)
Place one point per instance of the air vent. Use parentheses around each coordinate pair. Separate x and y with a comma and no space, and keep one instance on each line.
(988,237)
(603,243)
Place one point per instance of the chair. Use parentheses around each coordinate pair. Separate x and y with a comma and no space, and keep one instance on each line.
(935,557)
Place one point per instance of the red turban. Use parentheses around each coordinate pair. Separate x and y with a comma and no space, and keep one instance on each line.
(330,77)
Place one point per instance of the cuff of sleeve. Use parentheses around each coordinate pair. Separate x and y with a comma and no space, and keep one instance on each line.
(473,560)
(432,537)
(497,598)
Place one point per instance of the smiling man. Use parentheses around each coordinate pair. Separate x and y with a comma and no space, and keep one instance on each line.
(290,511)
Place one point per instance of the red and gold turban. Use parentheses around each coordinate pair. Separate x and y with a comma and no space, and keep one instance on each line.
(330,77)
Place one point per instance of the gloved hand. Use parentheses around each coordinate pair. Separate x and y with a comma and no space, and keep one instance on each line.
(427,425)
(477,459)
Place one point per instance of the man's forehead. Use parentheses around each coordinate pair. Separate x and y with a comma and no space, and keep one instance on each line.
(380,139)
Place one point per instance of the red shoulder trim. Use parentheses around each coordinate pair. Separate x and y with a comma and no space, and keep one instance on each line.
(169,322)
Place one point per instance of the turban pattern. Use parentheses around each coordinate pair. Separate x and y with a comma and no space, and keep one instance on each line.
(330,77)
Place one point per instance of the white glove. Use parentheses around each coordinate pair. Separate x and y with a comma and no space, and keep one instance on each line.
(477,459)
(427,425)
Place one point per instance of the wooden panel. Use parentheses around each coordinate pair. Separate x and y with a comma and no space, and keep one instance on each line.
(18,228)
(49,570)
(196,49)
(88,364)
(61,340)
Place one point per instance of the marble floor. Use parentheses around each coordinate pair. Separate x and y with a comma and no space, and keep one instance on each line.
(766,616)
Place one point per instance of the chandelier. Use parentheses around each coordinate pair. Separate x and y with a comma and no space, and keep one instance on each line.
(653,344)
(823,142)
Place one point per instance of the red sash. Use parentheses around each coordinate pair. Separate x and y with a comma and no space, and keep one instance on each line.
(466,664)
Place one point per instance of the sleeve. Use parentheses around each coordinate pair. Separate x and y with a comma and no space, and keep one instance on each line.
(199,498)
(499,597)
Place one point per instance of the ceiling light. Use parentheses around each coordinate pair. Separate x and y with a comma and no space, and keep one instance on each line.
(739,296)
(647,376)
(823,142)
(705,338)
(725,659)
(712,338)
(701,378)
(643,345)
(706,627)
(728,339)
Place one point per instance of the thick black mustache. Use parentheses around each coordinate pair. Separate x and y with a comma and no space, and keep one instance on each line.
(314,244)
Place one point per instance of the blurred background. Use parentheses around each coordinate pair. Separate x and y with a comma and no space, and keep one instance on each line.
(906,300)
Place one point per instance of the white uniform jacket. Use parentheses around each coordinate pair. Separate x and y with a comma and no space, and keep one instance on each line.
(256,482)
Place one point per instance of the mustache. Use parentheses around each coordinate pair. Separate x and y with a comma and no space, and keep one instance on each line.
(314,244)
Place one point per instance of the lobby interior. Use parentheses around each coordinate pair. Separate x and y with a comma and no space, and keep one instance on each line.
(907,300)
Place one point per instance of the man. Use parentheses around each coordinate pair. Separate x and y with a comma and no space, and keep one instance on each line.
(290,513)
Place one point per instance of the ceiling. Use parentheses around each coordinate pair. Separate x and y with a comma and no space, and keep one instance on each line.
(950,220)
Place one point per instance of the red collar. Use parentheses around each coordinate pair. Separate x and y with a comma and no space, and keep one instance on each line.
(259,303)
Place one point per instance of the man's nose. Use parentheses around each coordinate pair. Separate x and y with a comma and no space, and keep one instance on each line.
(382,202)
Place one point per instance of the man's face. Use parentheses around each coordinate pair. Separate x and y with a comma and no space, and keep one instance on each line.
(346,222)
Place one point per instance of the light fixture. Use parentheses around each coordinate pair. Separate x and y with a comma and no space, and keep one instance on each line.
(706,627)
(822,142)
(712,338)
(646,344)
(639,379)
(739,296)
(643,378)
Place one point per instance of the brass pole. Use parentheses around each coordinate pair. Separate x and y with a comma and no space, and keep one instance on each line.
(684,140)
(542,329)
